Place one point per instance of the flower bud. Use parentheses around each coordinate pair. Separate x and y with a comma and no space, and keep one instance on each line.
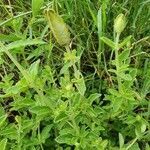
(58,27)
(119,23)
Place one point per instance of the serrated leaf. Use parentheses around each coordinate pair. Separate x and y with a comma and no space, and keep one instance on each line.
(3,144)
(108,42)
(25,42)
(36,5)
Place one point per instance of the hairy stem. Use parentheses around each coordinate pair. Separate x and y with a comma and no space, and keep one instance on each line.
(117,61)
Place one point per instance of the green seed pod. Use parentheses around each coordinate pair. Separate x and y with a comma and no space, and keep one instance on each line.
(119,23)
(58,27)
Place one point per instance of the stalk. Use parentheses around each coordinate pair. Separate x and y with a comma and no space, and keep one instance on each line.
(117,61)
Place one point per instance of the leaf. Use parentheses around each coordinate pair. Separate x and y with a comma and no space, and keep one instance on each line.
(108,42)
(40,110)
(112,70)
(116,104)
(64,69)
(80,85)
(24,103)
(147,147)
(3,144)
(124,76)
(25,42)
(124,55)
(10,131)
(66,139)
(93,97)
(114,92)
(2,120)
(143,128)
(33,70)
(123,68)
(121,140)
(45,133)
(36,5)
(8,38)
(135,146)
(62,116)
(125,41)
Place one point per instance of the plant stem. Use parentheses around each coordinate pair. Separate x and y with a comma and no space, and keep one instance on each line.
(117,61)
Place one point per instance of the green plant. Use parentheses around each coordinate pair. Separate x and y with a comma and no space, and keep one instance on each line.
(81,89)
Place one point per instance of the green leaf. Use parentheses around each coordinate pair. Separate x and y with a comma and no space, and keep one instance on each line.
(135,146)
(10,131)
(36,5)
(25,42)
(121,140)
(40,110)
(62,116)
(147,147)
(45,133)
(124,55)
(123,68)
(124,76)
(66,139)
(3,144)
(33,70)
(143,128)
(112,70)
(23,103)
(93,97)
(108,42)
(125,41)
(80,85)
(64,69)
(2,120)
(8,38)
(114,92)
(116,104)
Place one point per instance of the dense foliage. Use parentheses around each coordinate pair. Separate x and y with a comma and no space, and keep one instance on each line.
(74,74)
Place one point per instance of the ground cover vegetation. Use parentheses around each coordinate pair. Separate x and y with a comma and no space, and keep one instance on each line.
(74,74)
